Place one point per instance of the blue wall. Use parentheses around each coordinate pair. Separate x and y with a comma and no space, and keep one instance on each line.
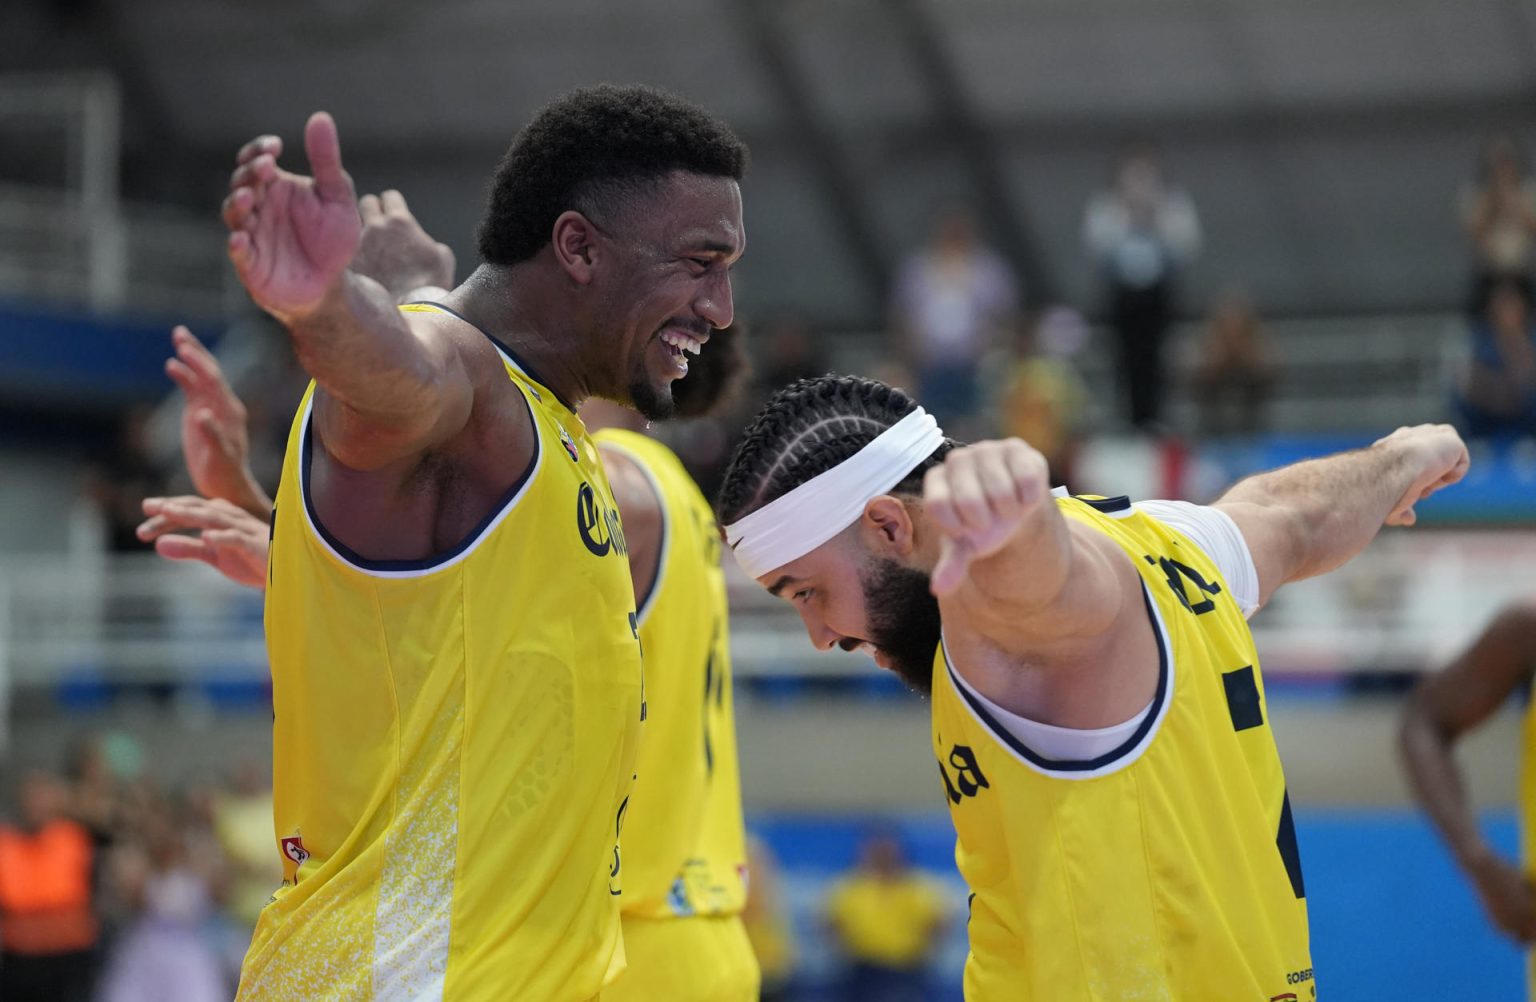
(1391,916)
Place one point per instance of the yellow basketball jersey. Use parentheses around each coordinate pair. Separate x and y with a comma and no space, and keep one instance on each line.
(684,841)
(1166,869)
(454,743)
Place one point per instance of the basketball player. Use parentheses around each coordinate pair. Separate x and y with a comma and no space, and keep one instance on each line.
(1444,707)
(1098,712)
(450,619)
(684,840)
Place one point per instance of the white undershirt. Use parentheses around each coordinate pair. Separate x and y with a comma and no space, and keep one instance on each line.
(1221,540)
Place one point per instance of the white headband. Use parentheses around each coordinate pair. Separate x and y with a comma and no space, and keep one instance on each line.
(793,525)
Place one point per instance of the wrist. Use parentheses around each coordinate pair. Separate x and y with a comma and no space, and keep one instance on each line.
(1475,856)
(333,298)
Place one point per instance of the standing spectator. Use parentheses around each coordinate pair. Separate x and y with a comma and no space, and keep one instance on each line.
(888,918)
(951,299)
(766,917)
(1500,218)
(165,953)
(1497,395)
(1042,399)
(1234,374)
(48,927)
(243,824)
(1141,233)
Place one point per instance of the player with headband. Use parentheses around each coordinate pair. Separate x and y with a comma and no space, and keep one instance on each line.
(1098,711)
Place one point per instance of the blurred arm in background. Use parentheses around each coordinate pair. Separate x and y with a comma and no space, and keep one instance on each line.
(1443,707)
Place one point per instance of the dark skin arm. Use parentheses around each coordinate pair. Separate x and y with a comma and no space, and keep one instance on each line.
(1443,707)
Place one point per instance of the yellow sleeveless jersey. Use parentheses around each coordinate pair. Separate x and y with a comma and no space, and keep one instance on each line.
(1166,869)
(684,841)
(454,743)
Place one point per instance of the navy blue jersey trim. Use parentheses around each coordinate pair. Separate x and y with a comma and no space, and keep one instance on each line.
(1108,506)
(1290,853)
(1154,713)
(306,457)
(521,364)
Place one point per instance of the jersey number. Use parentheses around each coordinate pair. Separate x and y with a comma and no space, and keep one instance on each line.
(1177,573)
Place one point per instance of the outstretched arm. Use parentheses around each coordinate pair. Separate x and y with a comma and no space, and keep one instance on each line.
(392,387)
(1442,708)
(1307,519)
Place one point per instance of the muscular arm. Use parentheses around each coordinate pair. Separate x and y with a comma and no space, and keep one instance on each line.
(1011,563)
(392,387)
(641,510)
(392,384)
(1442,708)
(1307,519)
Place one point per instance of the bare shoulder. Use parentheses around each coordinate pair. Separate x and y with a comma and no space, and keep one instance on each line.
(632,489)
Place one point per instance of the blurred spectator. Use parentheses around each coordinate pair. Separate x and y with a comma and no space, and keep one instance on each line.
(1141,233)
(1234,374)
(124,475)
(767,920)
(166,953)
(48,926)
(242,819)
(1497,394)
(1042,396)
(888,918)
(1500,217)
(951,299)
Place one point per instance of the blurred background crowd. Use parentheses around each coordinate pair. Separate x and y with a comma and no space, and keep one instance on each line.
(1168,245)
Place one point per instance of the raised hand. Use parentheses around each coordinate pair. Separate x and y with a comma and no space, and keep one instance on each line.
(1440,459)
(979,498)
(214,441)
(291,237)
(229,539)
(395,251)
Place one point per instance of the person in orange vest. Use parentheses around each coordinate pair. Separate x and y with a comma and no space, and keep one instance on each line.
(48,928)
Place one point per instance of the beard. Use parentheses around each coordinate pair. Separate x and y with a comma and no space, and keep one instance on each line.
(903,620)
(653,404)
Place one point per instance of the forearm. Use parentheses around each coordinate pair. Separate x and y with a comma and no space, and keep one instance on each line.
(358,347)
(1436,782)
(1331,507)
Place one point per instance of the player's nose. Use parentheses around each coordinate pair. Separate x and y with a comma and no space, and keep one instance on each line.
(823,638)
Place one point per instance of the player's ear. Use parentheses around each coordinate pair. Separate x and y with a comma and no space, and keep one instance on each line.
(886,527)
(574,240)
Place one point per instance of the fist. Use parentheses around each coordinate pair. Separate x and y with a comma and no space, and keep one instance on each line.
(979,498)
(1437,458)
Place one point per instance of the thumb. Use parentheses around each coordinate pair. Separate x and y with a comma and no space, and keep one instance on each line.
(323,147)
(954,557)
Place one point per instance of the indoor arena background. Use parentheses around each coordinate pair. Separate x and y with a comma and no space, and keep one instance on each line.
(1321,162)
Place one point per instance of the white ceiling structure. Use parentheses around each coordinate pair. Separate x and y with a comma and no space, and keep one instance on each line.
(1324,141)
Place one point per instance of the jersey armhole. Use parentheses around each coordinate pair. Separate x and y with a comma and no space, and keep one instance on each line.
(436,562)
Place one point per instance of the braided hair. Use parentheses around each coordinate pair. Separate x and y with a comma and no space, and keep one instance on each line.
(806,429)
